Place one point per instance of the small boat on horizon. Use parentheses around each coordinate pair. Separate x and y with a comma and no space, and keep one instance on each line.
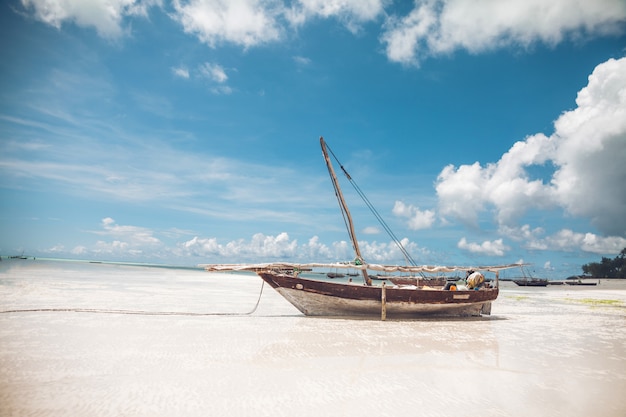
(532,282)
(529,281)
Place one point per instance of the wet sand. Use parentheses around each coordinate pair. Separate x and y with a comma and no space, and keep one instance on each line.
(553,351)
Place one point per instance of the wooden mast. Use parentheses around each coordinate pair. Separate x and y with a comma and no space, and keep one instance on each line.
(344,209)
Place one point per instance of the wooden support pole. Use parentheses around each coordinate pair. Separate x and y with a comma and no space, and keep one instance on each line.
(383,300)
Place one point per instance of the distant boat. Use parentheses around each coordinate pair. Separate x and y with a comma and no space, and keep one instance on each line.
(350,299)
(529,281)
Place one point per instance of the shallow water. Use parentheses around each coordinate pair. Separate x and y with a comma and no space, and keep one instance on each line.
(557,351)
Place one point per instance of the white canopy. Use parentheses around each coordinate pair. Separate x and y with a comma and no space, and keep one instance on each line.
(352,265)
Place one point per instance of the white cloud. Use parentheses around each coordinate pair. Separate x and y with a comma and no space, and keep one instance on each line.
(221,89)
(122,242)
(386,252)
(216,74)
(587,152)
(564,240)
(242,22)
(418,219)
(432,27)
(132,235)
(79,250)
(460,192)
(437,27)
(568,240)
(592,150)
(181,72)
(493,248)
(246,23)
(316,250)
(254,22)
(106,16)
(262,248)
(352,13)
(523,233)
(301,60)
(213,72)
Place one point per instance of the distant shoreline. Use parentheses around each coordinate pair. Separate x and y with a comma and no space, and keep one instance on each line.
(92,261)
(195,267)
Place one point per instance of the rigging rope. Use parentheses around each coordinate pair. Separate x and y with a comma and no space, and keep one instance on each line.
(134,312)
(409,259)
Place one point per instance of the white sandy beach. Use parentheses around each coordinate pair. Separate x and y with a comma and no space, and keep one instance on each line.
(554,351)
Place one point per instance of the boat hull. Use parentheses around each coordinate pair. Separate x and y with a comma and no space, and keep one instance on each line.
(531,282)
(321,298)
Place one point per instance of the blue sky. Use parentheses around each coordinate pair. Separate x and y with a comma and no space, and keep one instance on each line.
(188,131)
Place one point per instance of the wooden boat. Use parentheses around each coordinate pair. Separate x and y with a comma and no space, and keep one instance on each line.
(350,299)
(315,297)
(531,282)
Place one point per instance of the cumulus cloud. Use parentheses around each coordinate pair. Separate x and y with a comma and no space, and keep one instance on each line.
(585,154)
(435,27)
(382,252)
(523,233)
(565,240)
(125,237)
(261,248)
(417,219)
(246,23)
(242,22)
(569,240)
(490,248)
(353,13)
(250,23)
(79,250)
(105,16)
(432,27)
(592,149)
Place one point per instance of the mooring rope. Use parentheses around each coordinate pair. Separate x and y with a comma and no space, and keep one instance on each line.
(134,312)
